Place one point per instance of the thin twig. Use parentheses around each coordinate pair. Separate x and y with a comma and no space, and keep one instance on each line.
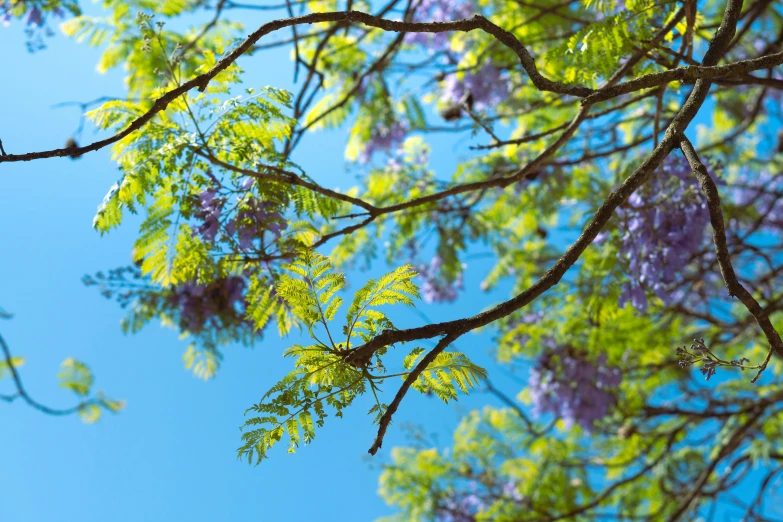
(22,392)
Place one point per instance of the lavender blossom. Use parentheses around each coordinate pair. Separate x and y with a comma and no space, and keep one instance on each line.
(247,183)
(510,490)
(437,11)
(383,138)
(199,304)
(210,208)
(436,288)
(253,219)
(573,388)
(461,506)
(35,17)
(486,86)
(663,225)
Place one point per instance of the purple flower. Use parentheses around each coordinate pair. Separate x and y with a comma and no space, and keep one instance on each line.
(400,159)
(460,506)
(436,288)
(511,491)
(210,208)
(247,183)
(486,86)
(437,11)
(662,226)
(34,14)
(253,219)
(383,138)
(573,388)
(201,304)
(708,369)
(35,17)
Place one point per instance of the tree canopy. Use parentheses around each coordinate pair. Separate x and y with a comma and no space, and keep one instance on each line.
(619,161)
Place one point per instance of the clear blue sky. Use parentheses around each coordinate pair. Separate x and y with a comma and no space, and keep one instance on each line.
(171,454)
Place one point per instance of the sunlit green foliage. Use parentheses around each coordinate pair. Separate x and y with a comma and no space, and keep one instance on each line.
(322,379)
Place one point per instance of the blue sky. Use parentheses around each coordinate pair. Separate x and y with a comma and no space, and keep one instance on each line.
(171,454)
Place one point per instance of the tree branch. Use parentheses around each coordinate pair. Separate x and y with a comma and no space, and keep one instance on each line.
(201,81)
(688,73)
(409,380)
(722,251)
(22,392)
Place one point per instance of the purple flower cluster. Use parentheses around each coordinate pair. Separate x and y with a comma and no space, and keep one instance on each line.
(210,208)
(460,508)
(573,388)
(397,162)
(699,352)
(253,218)
(485,85)
(662,226)
(437,11)
(383,138)
(436,288)
(199,304)
(510,490)
(35,16)
(461,505)
(464,505)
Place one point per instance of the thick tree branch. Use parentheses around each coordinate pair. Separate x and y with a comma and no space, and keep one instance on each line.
(689,73)
(362,354)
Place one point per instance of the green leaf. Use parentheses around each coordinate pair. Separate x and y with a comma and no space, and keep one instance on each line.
(203,362)
(90,413)
(75,376)
(446,374)
(395,287)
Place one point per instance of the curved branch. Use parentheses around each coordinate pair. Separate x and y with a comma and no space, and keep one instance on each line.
(503,181)
(722,251)
(688,73)
(201,81)
(22,392)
